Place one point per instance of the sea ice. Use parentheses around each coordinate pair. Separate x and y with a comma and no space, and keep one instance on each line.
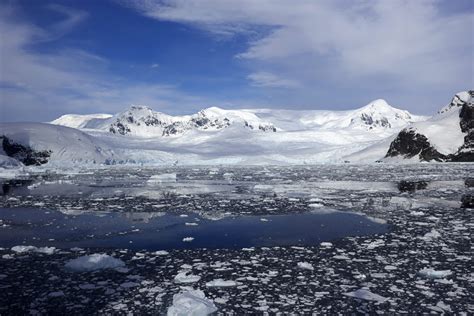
(434,274)
(305,265)
(184,277)
(221,283)
(24,249)
(365,294)
(191,303)
(93,262)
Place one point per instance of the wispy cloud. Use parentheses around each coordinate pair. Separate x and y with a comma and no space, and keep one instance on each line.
(266,79)
(406,44)
(39,86)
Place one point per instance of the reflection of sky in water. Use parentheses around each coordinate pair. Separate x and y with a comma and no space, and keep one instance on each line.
(155,231)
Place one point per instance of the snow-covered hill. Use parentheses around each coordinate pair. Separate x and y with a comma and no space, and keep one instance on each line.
(446,136)
(213,136)
(142,121)
(40,143)
(81,121)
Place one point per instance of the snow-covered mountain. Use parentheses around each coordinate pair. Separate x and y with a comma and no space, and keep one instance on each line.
(446,136)
(39,143)
(81,121)
(213,135)
(142,121)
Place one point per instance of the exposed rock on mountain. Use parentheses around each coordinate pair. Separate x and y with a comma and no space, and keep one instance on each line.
(39,143)
(24,154)
(448,136)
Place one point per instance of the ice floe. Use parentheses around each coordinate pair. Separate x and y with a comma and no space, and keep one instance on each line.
(93,262)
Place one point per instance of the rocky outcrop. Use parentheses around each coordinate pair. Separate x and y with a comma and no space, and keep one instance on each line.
(24,154)
(410,143)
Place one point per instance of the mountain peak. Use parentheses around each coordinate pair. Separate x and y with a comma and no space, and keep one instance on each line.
(459,100)
(378,104)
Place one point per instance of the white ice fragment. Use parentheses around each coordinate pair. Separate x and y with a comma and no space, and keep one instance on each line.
(24,249)
(188,239)
(433,234)
(161,253)
(326,244)
(305,265)
(365,294)
(162,178)
(191,224)
(184,277)
(56,294)
(221,283)
(191,303)
(93,262)
(434,274)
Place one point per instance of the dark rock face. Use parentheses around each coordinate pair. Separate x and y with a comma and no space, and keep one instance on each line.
(467,201)
(24,154)
(466,122)
(466,116)
(412,186)
(409,143)
(119,128)
(369,120)
(469,182)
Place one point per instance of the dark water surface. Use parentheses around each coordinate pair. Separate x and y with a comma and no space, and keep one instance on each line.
(155,231)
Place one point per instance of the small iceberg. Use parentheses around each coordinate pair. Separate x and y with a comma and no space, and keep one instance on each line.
(93,262)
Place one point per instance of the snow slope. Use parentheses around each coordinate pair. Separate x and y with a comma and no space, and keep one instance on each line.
(442,137)
(66,144)
(81,121)
(142,121)
(443,131)
(215,135)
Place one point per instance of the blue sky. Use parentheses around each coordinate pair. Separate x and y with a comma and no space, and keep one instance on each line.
(180,56)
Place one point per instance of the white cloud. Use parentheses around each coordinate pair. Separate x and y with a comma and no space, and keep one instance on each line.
(411,43)
(40,86)
(266,79)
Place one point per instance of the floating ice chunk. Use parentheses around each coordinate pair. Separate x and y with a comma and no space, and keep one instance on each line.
(326,244)
(93,262)
(184,277)
(188,239)
(161,178)
(24,249)
(390,268)
(434,274)
(221,283)
(191,224)
(56,294)
(365,294)
(341,257)
(264,220)
(433,234)
(305,265)
(191,303)
(161,253)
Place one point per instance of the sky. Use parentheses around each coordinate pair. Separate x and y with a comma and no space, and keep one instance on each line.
(180,56)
